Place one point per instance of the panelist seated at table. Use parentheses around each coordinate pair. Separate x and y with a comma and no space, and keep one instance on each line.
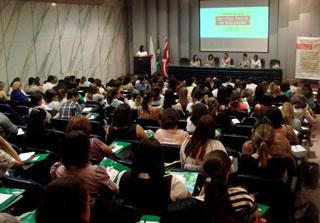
(195,61)
(255,62)
(226,60)
(142,52)
(245,62)
(210,60)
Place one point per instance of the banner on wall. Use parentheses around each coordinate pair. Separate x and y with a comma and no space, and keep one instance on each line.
(308,58)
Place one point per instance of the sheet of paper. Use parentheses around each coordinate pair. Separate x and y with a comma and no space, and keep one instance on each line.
(4,197)
(87,109)
(235,121)
(20,132)
(26,156)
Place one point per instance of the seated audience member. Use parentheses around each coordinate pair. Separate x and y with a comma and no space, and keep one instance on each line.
(266,103)
(170,102)
(36,86)
(188,210)
(51,102)
(210,60)
(93,94)
(127,84)
(226,60)
(101,88)
(113,98)
(3,94)
(142,52)
(29,85)
(301,110)
(9,158)
(227,204)
(122,128)
(199,144)
(135,100)
(16,79)
(147,186)
(142,84)
(197,96)
(37,102)
(7,128)
(264,161)
(50,83)
(308,93)
(17,95)
(217,85)
(255,62)
(169,132)
(236,102)
(245,62)
(288,116)
(158,98)
(195,61)
(285,88)
(197,112)
(183,99)
(251,85)
(83,82)
(190,84)
(146,110)
(64,200)
(75,161)
(37,133)
(71,107)
(98,149)
(62,96)
(284,134)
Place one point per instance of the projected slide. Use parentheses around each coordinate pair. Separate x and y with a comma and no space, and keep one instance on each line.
(237,28)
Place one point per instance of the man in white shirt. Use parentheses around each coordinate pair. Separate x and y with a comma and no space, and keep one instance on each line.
(141,52)
(255,62)
(245,61)
(50,83)
(226,60)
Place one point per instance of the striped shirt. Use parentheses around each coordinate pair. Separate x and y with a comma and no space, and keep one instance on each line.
(242,203)
(69,109)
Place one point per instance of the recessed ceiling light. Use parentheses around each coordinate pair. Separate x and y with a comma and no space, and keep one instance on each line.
(53,4)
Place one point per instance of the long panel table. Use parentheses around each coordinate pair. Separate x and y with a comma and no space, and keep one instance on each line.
(182,72)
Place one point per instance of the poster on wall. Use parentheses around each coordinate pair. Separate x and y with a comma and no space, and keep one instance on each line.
(308,58)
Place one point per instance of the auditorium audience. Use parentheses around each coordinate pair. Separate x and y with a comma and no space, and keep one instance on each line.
(147,186)
(197,96)
(113,98)
(122,127)
(169,132)
(64,200)
(198,111)
(75,161)
(301,110)
(50,83)
(225,203)
(9,158)
(7,128)
(170,102)
(98,149)
(93,94)
(284,134)
(71,107)
(201,142)
(3,95)
(264,161)
(17,95)
(135,100)
(146,110)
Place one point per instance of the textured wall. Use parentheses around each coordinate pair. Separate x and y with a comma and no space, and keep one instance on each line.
(179,19)
(38,39)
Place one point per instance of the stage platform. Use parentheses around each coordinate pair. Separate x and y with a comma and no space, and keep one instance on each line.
(182,72)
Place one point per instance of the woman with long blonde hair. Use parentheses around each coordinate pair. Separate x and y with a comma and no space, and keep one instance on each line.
(288,116)
(262,162)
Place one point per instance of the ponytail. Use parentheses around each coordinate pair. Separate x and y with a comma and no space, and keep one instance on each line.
(138,100)
(263,152)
